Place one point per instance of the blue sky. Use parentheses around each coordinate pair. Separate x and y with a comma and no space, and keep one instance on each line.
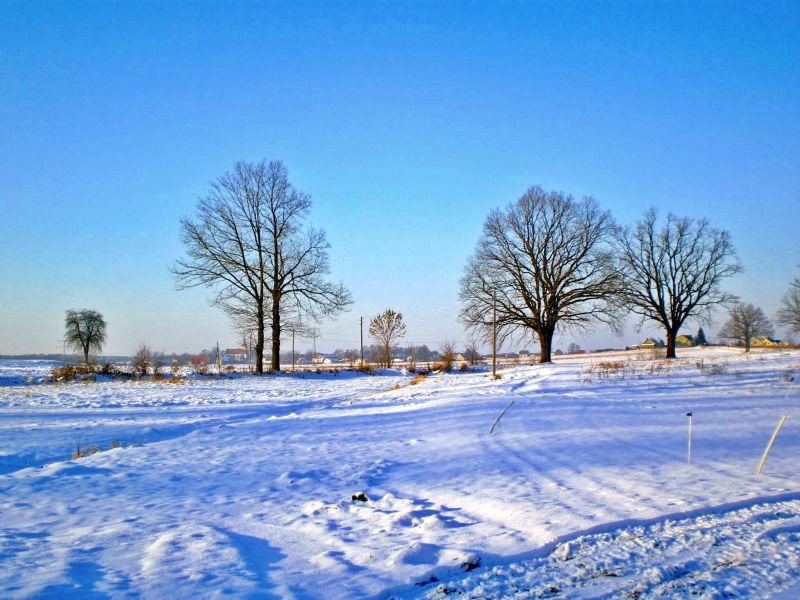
(406,122)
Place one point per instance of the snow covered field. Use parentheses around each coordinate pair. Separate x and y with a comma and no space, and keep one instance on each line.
(244,486)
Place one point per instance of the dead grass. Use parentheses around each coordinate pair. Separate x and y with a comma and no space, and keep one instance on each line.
(418,378)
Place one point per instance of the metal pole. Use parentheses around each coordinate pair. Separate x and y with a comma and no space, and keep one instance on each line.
(689,453)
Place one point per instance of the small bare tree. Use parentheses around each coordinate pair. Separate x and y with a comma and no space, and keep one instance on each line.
(85,331)
(542,263)
(386,329)
(674,272)
(471,353)
(745,323)
(142,359)
(789,312)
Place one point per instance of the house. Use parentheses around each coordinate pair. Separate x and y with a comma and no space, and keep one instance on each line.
(684,341)
(234,355)
(648,344)
(766,342)
(198,360)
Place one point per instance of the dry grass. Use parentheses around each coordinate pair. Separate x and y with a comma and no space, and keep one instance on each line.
(418,378)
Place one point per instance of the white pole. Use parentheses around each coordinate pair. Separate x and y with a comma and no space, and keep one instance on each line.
(769,445)
(500,416)
(689,453)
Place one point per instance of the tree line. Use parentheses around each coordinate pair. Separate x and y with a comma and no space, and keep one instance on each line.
(544,263)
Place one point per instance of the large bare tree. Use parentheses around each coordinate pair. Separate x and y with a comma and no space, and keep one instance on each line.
(386,329)
(250,243)
(674,271)
(745,322)
(789,312)
(85,331)
(543,262)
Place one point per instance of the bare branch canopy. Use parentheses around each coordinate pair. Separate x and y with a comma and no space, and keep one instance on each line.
(674,272)
(250,244)
(546,263)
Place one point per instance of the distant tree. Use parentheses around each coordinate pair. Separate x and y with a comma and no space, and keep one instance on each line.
(386,329)
(543,262)
(573,348)
(789,312)
(700,338)
(745,323)
(85,331)
(471,353)
(248,242)
(674,272)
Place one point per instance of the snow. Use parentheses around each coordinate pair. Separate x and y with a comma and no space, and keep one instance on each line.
(244,486)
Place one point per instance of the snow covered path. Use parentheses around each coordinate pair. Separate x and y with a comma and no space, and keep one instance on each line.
(244,486)
(752,551)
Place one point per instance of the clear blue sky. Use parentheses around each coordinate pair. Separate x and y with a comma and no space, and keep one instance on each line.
(406,122)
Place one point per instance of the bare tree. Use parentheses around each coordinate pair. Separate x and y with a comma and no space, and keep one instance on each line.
(745,322)
(85,331)
(386,329)
(544,263)
(789,312)
(248,242)
(142,359)
(471,353)
(674,272)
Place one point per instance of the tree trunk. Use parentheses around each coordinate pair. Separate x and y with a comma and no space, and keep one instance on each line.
(260,340)
(546,344)
(747,343)
(86,354)
(275,364)
(671,335)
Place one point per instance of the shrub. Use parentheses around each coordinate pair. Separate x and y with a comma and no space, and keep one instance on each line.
(464,367)
(64,373)
(448,355)
(141,360)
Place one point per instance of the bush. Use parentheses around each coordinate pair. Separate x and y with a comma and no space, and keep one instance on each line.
(464,367)
(448,355)
(64,373)
(141,360)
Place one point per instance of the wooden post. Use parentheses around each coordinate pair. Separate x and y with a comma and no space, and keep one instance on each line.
(769,445)
(689,450)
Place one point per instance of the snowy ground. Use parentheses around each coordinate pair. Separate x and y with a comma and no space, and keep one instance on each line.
(244,486)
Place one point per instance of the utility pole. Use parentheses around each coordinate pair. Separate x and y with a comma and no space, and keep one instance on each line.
(362,341)
(494,336)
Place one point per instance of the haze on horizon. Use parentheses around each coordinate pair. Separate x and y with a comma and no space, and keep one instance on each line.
(407,123)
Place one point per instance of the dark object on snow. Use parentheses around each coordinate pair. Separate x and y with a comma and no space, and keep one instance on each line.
(431,579)
(360,497)
(471,564)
